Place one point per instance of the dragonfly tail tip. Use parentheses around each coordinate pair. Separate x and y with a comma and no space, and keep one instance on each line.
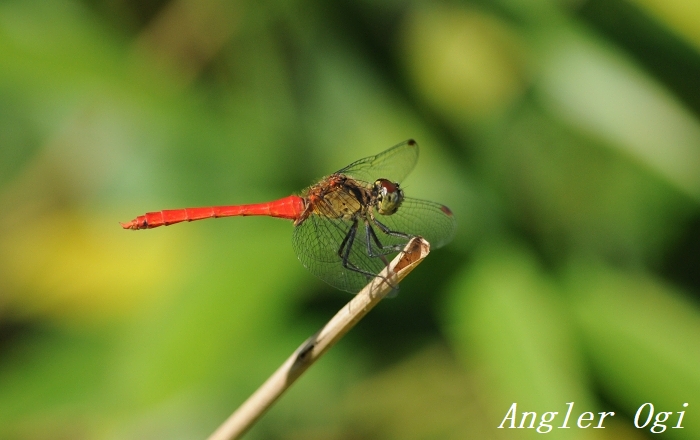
(129,225)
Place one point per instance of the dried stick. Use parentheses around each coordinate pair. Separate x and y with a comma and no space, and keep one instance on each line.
(312,349)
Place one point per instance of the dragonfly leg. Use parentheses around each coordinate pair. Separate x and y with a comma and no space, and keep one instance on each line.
(344,254)
(387,231)
(346,247)
(350,236)
(371,235)
(369,231)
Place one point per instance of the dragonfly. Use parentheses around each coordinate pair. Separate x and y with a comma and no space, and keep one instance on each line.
(349,224)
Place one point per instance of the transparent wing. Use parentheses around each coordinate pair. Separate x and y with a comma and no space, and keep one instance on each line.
(432,221)
(317,242)
(393,164)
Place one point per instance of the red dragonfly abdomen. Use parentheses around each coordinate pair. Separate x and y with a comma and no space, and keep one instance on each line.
(289,207)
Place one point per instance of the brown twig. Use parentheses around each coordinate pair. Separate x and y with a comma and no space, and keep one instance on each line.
(314,347)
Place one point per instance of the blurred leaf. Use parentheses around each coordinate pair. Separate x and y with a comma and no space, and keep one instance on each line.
(599,92)
(681,15)
(573,192)
(48,384)
(465,63)
(505,321)
(641,336)
(426,396)
(17,136)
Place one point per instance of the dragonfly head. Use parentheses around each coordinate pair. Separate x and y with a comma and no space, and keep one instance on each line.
(389,196)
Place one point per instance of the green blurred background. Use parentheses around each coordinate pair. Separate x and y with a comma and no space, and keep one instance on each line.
(564,135)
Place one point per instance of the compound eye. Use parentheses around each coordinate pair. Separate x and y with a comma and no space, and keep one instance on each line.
(389,196)
(387,186)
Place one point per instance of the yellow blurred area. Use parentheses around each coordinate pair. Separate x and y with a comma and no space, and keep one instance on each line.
(80,268)
(465,62)
(682,16)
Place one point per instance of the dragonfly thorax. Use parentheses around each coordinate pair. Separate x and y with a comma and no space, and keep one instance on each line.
(388,196)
